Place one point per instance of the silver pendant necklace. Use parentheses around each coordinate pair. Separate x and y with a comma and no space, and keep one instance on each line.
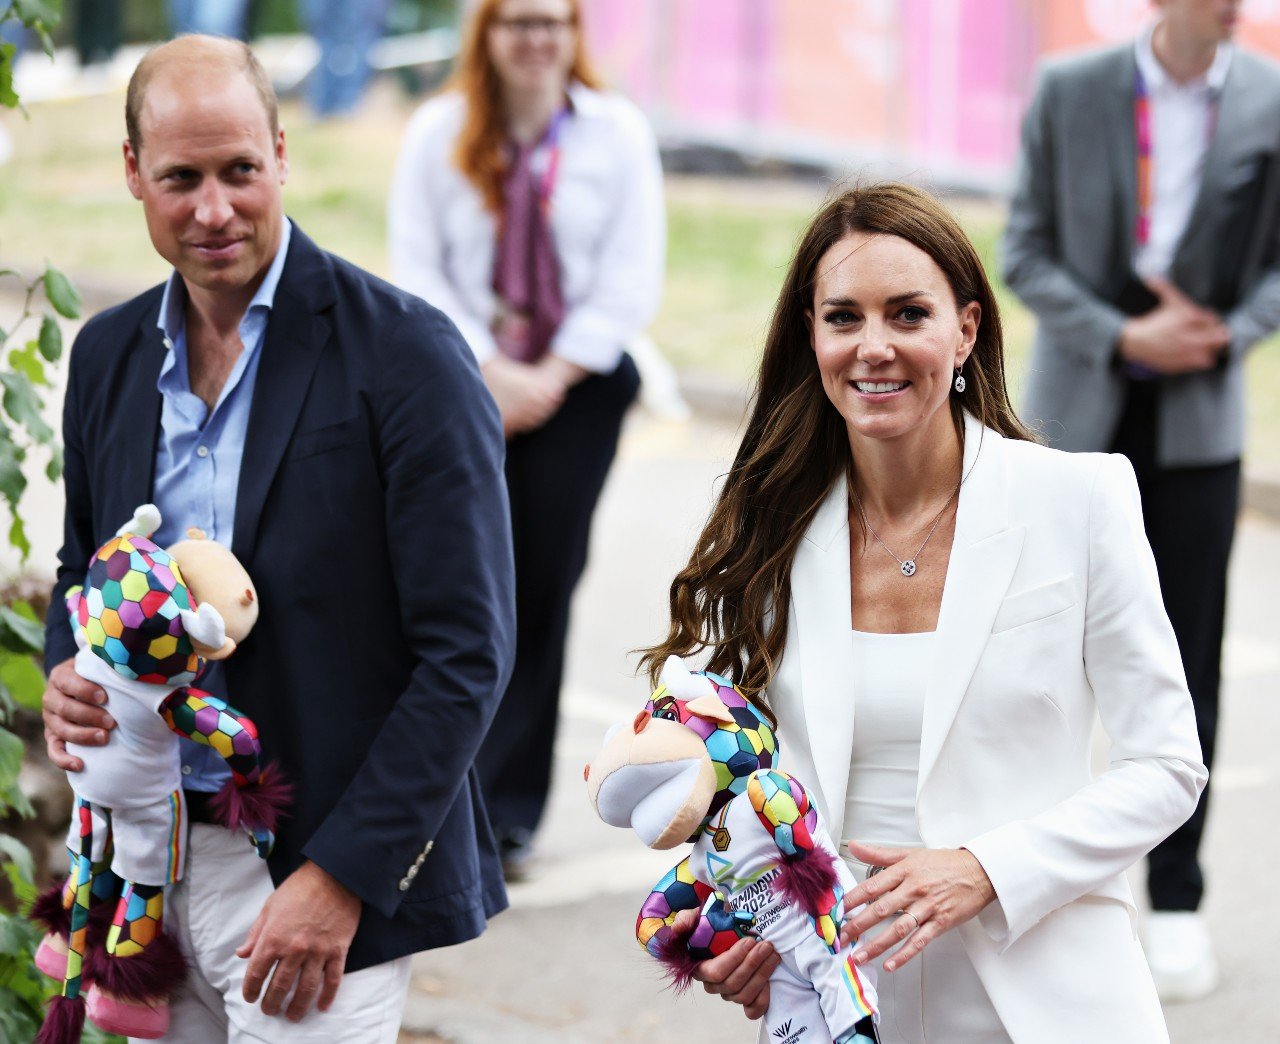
(906,566)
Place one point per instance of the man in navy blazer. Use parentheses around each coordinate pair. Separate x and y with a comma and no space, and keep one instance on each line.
(337,432)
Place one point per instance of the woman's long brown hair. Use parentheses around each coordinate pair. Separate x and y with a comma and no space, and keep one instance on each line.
(481,151)
(732,599)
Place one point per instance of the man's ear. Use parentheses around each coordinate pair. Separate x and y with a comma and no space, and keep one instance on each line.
(282,156)
(132,173)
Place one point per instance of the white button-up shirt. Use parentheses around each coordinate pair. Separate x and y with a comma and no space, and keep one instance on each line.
(607,220)
(1182,116)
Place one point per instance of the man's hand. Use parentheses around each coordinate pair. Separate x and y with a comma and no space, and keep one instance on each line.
(740,974)
(72,709)
(304,930)
(931,889)
(527,396)
(1177,336)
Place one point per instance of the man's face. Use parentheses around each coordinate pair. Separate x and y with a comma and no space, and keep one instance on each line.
(209,176)
(1208,21)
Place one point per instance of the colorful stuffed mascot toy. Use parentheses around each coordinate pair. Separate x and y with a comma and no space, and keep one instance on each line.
(146,621)
(697,765)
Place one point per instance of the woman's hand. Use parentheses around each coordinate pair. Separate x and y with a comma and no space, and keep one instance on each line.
(73,713)
(740,974)
(527,396)
(932,889)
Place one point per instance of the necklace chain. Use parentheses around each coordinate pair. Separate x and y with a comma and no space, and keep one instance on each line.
(906,566)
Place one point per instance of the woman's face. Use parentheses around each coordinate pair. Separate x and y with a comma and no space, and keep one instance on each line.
(888,335)
(531,43)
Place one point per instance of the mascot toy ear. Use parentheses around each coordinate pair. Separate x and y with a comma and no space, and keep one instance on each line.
(145,521)
(208,632)
(696,691)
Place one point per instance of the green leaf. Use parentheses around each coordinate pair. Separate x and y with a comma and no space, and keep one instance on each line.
(26,361)
(62,295)
(18,538)
(22,680)
(8,96)
(26,633)
(15,852)
(11,796)
(53,470)
(23,404)
(7,705)
(12,480)
(33,12)
(50,339)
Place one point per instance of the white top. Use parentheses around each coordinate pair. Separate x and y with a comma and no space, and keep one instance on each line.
(607,218)
(1182,117)
(890,674)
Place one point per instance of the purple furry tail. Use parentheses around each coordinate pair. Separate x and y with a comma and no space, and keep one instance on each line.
(64,1022)
(255,805)
(672,949)
(150,975)
(808,879)
(47,911)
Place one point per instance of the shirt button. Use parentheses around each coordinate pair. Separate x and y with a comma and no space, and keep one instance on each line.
(186,770)
(203,451)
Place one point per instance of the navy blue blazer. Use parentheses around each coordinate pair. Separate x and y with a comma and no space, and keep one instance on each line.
(372,514)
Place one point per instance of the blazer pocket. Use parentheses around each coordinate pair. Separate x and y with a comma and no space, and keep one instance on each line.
(322,440)
(1035,603)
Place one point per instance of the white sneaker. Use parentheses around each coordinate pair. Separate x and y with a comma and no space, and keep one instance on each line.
(1180,955)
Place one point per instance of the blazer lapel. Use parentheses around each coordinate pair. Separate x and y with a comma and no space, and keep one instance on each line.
(820,599)
(984,555)
(1116,106)
(295,337)
(139,407)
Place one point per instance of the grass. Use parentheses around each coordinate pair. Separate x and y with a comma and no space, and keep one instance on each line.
(63,198)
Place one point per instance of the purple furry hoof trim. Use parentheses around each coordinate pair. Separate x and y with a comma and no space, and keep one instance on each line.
(51,956)
(47,910)
(255,805)
(151,975)
(127,1018)
(808,880)
(673,953)
(64,1022)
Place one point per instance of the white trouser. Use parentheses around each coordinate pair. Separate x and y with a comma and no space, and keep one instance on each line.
(209,912)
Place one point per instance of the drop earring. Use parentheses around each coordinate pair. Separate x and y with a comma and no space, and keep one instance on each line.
(960,382)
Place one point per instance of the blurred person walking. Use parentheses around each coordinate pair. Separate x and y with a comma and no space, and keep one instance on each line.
(527,205)
(1145,235)
(213,17)
(345,31)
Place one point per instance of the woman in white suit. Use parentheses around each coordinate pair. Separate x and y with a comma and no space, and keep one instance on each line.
(939,609)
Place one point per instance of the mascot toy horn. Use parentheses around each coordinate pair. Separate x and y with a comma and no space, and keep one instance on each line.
(697,765)
(146,621)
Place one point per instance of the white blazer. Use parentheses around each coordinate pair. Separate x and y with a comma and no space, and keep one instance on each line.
(1051,615)
(607,218)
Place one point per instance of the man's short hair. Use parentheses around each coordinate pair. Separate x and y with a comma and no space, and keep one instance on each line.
(232,54)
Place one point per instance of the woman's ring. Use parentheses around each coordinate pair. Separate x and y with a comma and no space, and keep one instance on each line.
(914,918)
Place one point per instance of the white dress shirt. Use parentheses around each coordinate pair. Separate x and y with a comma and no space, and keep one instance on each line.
(607,219)
(1182,116)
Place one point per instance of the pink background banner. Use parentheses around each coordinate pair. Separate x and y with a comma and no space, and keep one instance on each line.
(937,87)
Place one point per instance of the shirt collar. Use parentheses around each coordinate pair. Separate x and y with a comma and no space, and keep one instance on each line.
(172,321)
(1156,78)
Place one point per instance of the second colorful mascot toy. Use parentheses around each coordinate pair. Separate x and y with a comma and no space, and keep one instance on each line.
(147,620)
(697,765)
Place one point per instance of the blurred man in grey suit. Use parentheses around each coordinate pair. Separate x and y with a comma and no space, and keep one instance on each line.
(1145,235)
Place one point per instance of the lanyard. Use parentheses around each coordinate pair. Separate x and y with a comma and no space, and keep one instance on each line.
(551,141)
(1142,117)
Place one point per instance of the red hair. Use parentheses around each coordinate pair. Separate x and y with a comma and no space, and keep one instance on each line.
(481,152)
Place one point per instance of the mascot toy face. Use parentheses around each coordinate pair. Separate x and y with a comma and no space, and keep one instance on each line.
(682,759)
(130,612)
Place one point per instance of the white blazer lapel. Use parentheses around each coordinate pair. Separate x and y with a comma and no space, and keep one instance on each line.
(820,599)
(984,555)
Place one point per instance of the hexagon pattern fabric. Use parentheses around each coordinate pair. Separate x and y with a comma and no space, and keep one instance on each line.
(128,612)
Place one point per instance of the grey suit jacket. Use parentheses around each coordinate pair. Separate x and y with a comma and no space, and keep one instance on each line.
(1069,245)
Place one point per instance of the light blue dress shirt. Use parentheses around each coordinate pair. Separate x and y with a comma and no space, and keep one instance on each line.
(198,457)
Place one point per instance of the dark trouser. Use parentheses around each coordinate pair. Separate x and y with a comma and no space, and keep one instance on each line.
(554,478)
(1190,516)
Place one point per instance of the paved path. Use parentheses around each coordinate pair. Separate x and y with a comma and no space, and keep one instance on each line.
(561,964)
